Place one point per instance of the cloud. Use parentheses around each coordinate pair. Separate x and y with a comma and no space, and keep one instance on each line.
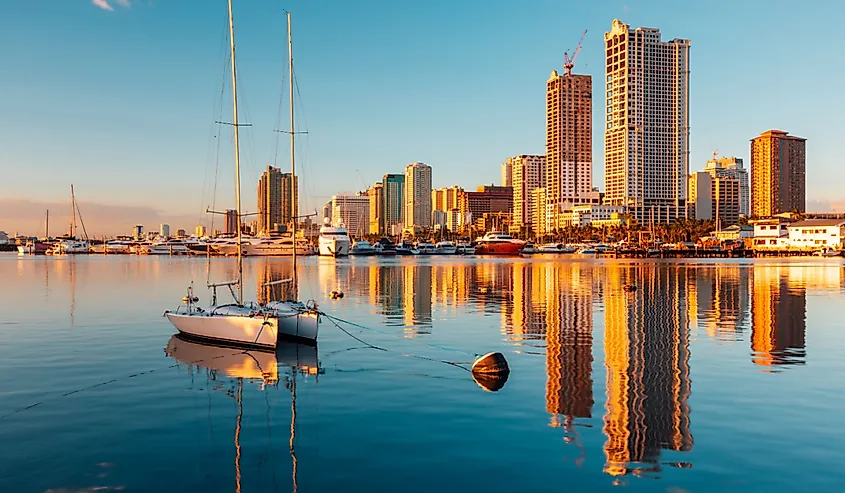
(124,3)
(824,205)
(103,4)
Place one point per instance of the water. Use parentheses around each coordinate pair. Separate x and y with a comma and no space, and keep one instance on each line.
(712,376)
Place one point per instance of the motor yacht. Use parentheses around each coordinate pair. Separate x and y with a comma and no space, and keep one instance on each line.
(494,243)
(445,248)
(363,248)
(334,240)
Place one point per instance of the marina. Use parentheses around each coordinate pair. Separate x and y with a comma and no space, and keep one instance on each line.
(579,342)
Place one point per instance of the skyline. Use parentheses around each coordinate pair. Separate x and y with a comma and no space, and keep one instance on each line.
(111,93)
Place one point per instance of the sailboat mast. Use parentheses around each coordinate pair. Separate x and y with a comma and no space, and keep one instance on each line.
(293,194)
(47,228)
(72,213)
(237,156)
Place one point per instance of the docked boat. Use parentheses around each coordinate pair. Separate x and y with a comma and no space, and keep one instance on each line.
(425,248)
(117,246)
(404,248)
(71,246)
(271,247)
(827,252)
(494,243)
(529,249)
(334,240)
(248,323)
(385,247)
(362,248)
(445,248)
(35,247)
(465,248)
(166,246)
(556,248)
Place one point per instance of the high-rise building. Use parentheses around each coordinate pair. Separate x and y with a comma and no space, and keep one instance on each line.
(418,196)
(444,199)
(711,196)
(646,136)
(164,230)
(529,172)
(485,200)
(539,212)
(376,196)
(393,190)
(231,222)
(200,231)
(277,199)
(138,231)
(180,233)
(327,210)
(732,167)
(569,141)
(507,173)
(778,175)
(353,211)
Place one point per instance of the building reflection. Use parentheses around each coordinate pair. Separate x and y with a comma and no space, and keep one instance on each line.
(271,271)
(779,308)
(719,300)
(647,360)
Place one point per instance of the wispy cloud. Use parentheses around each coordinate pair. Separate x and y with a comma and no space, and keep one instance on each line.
(103,4)
(124,3)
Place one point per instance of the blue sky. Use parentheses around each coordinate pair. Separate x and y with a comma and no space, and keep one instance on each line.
(122,102)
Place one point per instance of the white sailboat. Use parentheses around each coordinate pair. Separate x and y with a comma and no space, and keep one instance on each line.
(70,244)
(249,324)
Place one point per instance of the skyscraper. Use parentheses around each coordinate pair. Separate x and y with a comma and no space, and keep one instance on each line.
(711,195)
(393,190)
(529,172)
(732,167)
(353,211)
(646,136)
(507,173)
(446,199)
(778,176)
(164,230)
(376,196)
(231,221)
(418,196)
(569,141)
(276,206)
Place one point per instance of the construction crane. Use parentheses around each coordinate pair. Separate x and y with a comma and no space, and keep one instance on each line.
(715,154)
(568,63)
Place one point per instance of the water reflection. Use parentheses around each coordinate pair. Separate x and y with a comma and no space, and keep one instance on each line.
(779,318)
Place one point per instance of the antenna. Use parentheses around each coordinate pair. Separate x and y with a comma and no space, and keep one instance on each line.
(568,63)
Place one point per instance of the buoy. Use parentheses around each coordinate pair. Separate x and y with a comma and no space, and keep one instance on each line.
(491,371)
(336,295)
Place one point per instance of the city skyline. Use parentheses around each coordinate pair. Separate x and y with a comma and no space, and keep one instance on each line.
(139,147)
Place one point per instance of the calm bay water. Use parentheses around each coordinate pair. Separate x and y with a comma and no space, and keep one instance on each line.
(712,376)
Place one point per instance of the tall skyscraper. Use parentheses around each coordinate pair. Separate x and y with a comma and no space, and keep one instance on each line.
(393,190)
(507,173)
(231,221)
(732,167)
(376,196)
(529,172)
(418,196)
(353,211)
(778,174)
(164,230)
(276,204)
(646,136)
(569,140)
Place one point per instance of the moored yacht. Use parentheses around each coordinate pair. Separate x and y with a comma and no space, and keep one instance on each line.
(425,247)
(465,248)
(529,249)
(494,243)
(404,248)
(334,240)
(445,248)
(362,247)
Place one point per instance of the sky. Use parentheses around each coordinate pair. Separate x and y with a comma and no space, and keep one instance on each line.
(120,97)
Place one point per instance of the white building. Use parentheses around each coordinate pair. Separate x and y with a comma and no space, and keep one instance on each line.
(507,173)
(164,230)
(417,196)
(586,215)
(770,234)
(354,211)
(646,137)
(528,173)
(815,234)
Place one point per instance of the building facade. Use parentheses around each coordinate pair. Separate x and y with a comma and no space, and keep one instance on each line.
(528,173)
(393,190)
(277,200)
(539,212)
(732,167)
(778,173)
(376,196)
(486,199)
(231,222)
(569,140)
(444,199)
(646,137)
(417,196)
(507,173)
(353,211)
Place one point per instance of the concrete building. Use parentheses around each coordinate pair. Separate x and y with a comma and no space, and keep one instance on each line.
(486,199)
(353,211)
(710,196)
(231,222)
(417,207)
(393,190)
(528,173)
(181,233)
(539,212)
(376,197)
(200,231)
(444,199)
(732,167)
(164,230)
(815,234)
(646,137)
(455,221)
(587,214)
(138,232)
(569,140)
(778,175)
(327,210)
(507,173)
(277,200)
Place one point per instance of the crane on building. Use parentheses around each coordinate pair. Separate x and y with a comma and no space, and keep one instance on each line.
(715,154)
(568,63)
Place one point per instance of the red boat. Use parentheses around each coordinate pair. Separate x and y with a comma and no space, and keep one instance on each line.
(498,244)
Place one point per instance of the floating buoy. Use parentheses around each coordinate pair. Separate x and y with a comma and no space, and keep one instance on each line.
(491,371)
(629,288)
(336,295)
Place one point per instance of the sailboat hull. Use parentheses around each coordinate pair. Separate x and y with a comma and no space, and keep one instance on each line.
(239,329)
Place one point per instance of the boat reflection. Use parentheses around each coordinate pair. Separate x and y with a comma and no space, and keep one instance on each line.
(288,361)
